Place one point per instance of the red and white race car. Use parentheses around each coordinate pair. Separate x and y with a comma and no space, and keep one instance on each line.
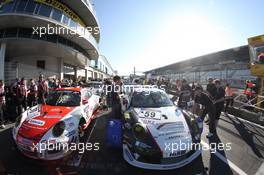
(47,131)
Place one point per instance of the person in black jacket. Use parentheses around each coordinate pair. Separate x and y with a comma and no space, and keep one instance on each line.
(203,98)
(219,100)
(21,94)
(10,104)
(211,91)
(115,99)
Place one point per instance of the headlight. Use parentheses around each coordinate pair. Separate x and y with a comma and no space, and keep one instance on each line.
(139,131)
(142,145)
(58,129)
(18,120)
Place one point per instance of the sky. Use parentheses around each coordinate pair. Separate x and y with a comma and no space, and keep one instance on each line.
(148,34)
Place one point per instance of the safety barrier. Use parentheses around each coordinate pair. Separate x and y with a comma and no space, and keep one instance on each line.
(256,102)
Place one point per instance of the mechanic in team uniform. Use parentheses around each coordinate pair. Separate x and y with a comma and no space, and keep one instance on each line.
(219,100)
(115,99)
(211,91)
(184,95)
(205,100)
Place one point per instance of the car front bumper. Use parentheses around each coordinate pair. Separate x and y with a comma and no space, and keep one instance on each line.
(132,161)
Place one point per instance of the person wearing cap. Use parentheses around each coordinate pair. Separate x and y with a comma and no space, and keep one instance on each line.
(203,98)
(219,100)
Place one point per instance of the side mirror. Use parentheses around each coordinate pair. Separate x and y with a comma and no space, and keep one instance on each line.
(84,101)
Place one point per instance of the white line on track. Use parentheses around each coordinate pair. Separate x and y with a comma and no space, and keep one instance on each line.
(225,160)
(260,170)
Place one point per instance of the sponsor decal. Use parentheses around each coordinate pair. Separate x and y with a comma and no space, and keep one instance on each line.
(152,122)
(25,147)
(169,133)
(71,133)
(58,5)
(171,125)
(29,127)
(36,122)
(174,137)
(52,116)
(24,141)
(55,109)
(34,109)
(177,153)
(34,112)
(70,125)
(86,109)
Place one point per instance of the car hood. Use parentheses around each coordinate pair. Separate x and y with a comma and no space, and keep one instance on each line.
(168,127)
(41,118)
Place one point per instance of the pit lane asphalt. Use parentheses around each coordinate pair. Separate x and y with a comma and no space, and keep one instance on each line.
(246,154)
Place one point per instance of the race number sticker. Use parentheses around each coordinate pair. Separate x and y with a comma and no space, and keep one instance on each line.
(149,114)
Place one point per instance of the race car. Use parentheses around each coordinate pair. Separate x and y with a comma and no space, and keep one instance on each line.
(47,131)
(156,134)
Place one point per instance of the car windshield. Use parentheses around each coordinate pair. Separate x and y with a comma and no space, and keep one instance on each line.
(150,99)
(64,98)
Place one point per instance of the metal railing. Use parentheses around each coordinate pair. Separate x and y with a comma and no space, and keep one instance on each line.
(256,102)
